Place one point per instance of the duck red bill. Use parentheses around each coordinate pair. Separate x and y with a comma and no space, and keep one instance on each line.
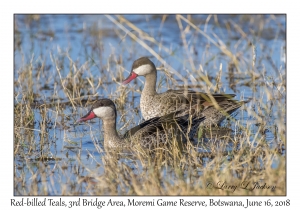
(129,78)
(88,116)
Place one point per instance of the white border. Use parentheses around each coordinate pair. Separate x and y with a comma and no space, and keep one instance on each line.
(154,6)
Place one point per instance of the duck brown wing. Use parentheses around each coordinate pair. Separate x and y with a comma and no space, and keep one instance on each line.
(174,100)
(138,128)
(160,124)
(195,97)
(150,126)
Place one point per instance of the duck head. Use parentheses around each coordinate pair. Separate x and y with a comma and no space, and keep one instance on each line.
(103,108)
(140,67)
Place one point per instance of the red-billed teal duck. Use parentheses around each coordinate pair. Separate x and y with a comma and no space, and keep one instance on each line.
(149,134)
(215,107)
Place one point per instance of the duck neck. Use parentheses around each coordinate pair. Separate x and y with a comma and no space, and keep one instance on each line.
(111,136)
(150,84)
